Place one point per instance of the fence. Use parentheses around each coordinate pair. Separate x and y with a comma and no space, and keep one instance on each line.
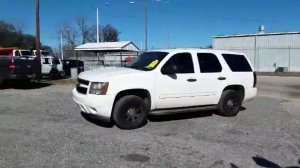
(100,60)
(273,59)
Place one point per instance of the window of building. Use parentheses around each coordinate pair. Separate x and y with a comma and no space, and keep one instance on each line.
(209,63)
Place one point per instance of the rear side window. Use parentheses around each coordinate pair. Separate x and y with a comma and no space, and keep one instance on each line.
(209,63)
(183,62)
(237,63)
(46,61)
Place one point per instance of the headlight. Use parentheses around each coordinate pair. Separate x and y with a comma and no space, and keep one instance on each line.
(98,88)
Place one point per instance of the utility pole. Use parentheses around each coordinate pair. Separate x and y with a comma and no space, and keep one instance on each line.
(146,24)
(37,22)
(61,47)
(145,21)
(97,25)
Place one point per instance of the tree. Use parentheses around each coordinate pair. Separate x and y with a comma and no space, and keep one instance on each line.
(83,28)
(88,33)
(110,34)
(69,35)
(91,35)
(12,36)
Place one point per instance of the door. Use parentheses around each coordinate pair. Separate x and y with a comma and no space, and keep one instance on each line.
(212,78)
(178,89)
(46,65)
(57,64)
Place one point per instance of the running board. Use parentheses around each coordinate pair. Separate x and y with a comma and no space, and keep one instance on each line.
(182,110)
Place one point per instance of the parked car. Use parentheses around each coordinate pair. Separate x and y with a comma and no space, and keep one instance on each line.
(14,51)
(52,66)
(17,67)
(71,63)
(166,82)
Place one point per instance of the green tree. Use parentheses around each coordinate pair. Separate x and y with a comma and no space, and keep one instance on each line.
(12,36)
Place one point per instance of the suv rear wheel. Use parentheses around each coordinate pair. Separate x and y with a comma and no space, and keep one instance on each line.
(130,112)
(230,103)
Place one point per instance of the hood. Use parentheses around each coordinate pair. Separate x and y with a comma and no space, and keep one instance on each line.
(106,73)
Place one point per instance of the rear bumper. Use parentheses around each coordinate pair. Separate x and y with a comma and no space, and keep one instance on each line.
(98,105)
(250,94)
(19,76)
(22,76)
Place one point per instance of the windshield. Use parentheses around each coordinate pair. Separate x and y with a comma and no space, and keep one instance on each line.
(148,60)
(23,53)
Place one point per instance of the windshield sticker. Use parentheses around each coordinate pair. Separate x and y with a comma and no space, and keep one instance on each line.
(153,64)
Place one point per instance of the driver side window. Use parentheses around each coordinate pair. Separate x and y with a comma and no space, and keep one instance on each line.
(183,62)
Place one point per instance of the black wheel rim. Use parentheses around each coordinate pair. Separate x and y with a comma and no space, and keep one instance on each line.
(232,104)
(133,114)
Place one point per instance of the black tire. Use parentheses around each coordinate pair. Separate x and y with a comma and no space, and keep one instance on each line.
(230,103)
(1,83)
(62,75)
(130,112)
(25,81)
(54,74)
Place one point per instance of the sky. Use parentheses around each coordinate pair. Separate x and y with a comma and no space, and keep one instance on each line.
(171,23)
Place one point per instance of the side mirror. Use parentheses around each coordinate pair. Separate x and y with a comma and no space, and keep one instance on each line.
(169,70)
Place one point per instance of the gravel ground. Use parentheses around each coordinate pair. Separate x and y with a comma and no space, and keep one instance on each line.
(40,126)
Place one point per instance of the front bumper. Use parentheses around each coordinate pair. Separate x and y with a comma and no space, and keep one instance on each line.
(98,105)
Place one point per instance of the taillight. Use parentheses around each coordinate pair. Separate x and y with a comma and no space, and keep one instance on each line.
(12,65)
(255,79)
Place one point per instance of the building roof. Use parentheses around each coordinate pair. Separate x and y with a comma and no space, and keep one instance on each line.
(200,50)
(108,46)
(257,34)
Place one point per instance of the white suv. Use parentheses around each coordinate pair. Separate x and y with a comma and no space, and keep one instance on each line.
(167,81)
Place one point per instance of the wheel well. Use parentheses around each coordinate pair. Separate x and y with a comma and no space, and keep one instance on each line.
(238,88)
(142,93)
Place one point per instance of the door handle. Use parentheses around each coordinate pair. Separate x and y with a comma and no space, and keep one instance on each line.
(192,80)
(221,78)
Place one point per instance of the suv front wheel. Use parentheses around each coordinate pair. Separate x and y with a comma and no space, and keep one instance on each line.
(130,112)
(230,103)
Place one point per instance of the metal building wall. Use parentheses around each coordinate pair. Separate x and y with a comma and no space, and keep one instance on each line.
(271,51)
(237,44)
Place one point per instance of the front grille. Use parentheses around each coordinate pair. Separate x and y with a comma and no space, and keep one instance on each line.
(83,82)
(80,89)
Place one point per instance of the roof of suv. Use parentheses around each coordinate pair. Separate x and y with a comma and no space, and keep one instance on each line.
(196,50)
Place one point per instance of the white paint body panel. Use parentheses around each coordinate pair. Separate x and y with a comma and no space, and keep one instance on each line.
(46,68)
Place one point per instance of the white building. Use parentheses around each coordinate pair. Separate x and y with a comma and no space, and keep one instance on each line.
(97,55)
(268,52)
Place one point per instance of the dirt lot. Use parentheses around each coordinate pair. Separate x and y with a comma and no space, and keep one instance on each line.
(40,126)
